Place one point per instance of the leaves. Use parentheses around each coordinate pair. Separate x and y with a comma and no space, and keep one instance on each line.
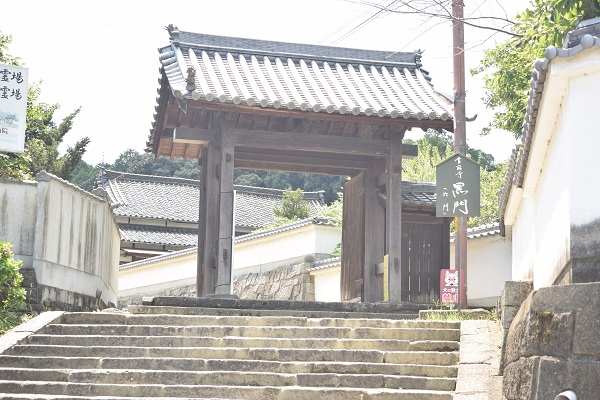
(507,67)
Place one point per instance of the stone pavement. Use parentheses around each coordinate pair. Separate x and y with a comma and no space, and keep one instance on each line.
(479,365)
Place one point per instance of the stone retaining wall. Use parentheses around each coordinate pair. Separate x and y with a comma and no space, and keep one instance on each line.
(284,283)
(553,344)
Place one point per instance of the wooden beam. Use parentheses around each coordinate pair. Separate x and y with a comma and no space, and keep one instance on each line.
(310,160)
(394,217)
(193,135)
(306,169)
(307,142)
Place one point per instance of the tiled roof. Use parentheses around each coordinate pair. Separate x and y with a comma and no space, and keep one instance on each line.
(254,206)
(309,78)
(325,264)
(284,228)
(167,256)
(177,199)
(421,193)
(518,162)
(158,235)
(481,231)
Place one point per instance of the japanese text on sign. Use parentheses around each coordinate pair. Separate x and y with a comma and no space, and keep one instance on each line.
(457,187)
(13,107)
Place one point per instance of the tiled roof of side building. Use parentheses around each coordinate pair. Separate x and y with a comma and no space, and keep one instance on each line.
(487,230)
(301,77)
(158,235)
(178,199)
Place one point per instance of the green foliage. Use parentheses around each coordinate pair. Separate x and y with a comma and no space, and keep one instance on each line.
(507,67)
(250,179)
(12,295)
(335,210)
(10,319)
(42,136)
(293,207)
(134,162)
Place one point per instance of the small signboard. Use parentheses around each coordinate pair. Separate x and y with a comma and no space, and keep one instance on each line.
(449,282)
(457,187)
(13,107)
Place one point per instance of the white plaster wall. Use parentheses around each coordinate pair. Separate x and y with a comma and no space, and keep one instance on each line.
(76,243)
(582,112)
(151,277)
(489,266)
(67,235)
(260,253)
(327,284)
(18,206)
(561,192)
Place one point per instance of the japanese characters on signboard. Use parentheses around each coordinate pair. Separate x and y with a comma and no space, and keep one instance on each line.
(449,282)
(13,107)
(457,187)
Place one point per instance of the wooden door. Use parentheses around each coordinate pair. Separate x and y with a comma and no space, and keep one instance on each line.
(353,240)
(425,251)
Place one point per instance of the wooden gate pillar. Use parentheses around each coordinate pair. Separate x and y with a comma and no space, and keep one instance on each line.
(208,222)
(393,223)
(374,233)
(216,230)
(225,214)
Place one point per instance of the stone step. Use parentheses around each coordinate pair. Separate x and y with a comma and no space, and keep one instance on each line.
(225,392)
(236,320)
(31,396)
(172,310)
(271,354)
(203,364)
(227,378)
(203,341)
(412,334)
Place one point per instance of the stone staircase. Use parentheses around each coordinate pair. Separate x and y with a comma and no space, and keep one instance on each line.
(226,353)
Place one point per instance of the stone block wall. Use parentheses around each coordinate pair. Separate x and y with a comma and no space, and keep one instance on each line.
(284,283)
(553,344)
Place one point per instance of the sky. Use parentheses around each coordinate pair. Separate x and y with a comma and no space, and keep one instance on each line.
(103,56)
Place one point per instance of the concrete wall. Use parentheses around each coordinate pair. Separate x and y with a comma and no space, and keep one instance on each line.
(66,235)
(555,218)
(489,266)
(261,252)
(553,344)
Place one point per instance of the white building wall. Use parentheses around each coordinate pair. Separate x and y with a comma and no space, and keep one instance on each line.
(268,252)
(327,284)
(583,112)
(489,266)
(560,190)
(156,276)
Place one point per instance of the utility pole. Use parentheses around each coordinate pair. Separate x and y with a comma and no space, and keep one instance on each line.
(460,136)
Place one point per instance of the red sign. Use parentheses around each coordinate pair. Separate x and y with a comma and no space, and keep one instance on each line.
(449,283)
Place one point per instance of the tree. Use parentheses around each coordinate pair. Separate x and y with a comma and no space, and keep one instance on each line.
(293,207)
(42,135)
(507,67)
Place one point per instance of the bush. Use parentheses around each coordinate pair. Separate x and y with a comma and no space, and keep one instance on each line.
(12,295)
